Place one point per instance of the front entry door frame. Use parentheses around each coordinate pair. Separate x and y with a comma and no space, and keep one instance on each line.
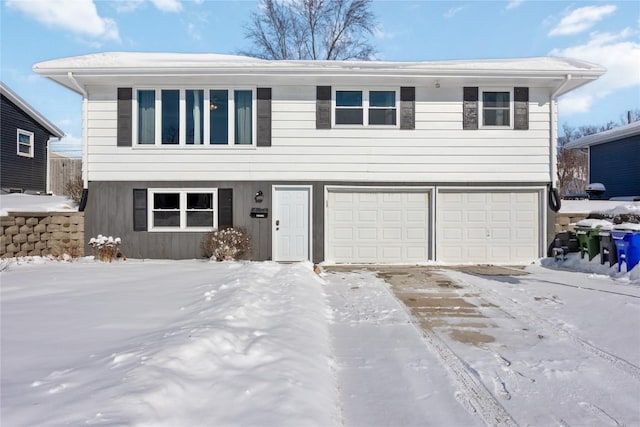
(278,191)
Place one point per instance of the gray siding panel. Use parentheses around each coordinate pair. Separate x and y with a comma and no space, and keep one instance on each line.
(110,211)
(617,166)
(26,173)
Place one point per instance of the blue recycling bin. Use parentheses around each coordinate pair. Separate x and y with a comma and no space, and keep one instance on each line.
(627,247)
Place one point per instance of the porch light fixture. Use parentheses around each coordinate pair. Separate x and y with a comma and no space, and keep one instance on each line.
(259,197)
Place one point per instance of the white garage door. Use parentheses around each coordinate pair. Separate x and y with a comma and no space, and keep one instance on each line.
(377,227)
(487,227)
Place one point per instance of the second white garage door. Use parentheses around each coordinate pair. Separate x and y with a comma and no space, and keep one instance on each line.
(377,226)
(487,227)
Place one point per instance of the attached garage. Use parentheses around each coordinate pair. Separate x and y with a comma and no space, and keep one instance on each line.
(488,226)
(377,226)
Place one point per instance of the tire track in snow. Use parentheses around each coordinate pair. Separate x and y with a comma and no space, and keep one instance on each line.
(474,395)
(510,306)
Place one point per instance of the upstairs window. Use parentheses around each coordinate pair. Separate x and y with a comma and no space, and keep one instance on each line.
(496,108)
(366,108)
(349,107)
(382,107)
(192,117)
(25,143)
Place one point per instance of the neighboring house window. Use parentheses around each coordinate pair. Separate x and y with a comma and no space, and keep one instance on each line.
(25,143)
(496,108)
(195,117)
(368,108)
(182,210)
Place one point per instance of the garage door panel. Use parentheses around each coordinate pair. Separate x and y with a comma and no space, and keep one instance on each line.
(492,226)
(387,226)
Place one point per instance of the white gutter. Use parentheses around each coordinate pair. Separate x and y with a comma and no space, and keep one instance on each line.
(553,110)
(85,146)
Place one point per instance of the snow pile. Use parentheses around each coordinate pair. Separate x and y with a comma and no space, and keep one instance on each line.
(165,343)
(17,202)
(587,206)
(595,223)
(573,262)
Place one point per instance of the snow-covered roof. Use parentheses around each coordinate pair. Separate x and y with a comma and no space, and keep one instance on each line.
(182,64)
(621,132)
(32,112)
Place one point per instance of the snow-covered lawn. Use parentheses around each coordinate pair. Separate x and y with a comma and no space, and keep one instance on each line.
(18,202)
(194,343)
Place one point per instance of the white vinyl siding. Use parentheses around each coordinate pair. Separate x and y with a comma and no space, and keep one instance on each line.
(437,150)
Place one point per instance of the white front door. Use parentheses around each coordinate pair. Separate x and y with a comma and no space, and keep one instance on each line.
(291,221)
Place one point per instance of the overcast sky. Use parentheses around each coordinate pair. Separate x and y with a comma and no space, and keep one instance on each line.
(606,33)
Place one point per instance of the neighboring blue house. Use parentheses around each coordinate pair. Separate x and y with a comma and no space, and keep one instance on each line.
(614,159)
(24,153)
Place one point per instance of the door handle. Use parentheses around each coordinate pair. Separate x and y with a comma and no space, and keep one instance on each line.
(277,222)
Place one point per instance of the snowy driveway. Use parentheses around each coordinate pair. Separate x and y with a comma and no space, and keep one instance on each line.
(546,348)
(193,343)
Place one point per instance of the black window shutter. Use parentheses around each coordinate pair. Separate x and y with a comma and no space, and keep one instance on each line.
(139,209)
(125,113)
(470,108)
(225,207)
(407,108)
(521,108)
(323,107)
(264,117)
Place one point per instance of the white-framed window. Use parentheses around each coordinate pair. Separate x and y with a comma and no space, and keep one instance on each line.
(365,107)
(195,117)
(193,209)
(25,140)
(496,107)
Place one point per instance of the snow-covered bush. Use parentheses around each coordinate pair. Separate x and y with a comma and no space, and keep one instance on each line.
(105,248)
(226,244)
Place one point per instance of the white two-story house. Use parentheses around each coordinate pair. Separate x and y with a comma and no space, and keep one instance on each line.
(342,162)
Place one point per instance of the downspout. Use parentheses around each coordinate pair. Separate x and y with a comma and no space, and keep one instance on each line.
(554,130)
(85,147)
(552,192)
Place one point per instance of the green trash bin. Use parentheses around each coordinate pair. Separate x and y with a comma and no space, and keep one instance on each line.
(588,240)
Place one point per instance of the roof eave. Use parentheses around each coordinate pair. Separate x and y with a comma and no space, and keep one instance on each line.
(32,112)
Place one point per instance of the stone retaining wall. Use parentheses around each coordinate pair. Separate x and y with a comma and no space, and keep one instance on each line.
(564,221)
(41,234)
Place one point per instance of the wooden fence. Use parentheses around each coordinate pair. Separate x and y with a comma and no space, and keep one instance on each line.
(62,171)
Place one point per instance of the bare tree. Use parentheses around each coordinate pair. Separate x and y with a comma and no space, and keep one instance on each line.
(572,166)
(311,29)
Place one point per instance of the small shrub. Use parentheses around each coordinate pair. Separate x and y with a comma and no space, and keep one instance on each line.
(62,253)
(226,244)
(105,248)
(73,189)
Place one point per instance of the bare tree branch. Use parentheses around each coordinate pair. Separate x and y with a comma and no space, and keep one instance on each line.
(311,29)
